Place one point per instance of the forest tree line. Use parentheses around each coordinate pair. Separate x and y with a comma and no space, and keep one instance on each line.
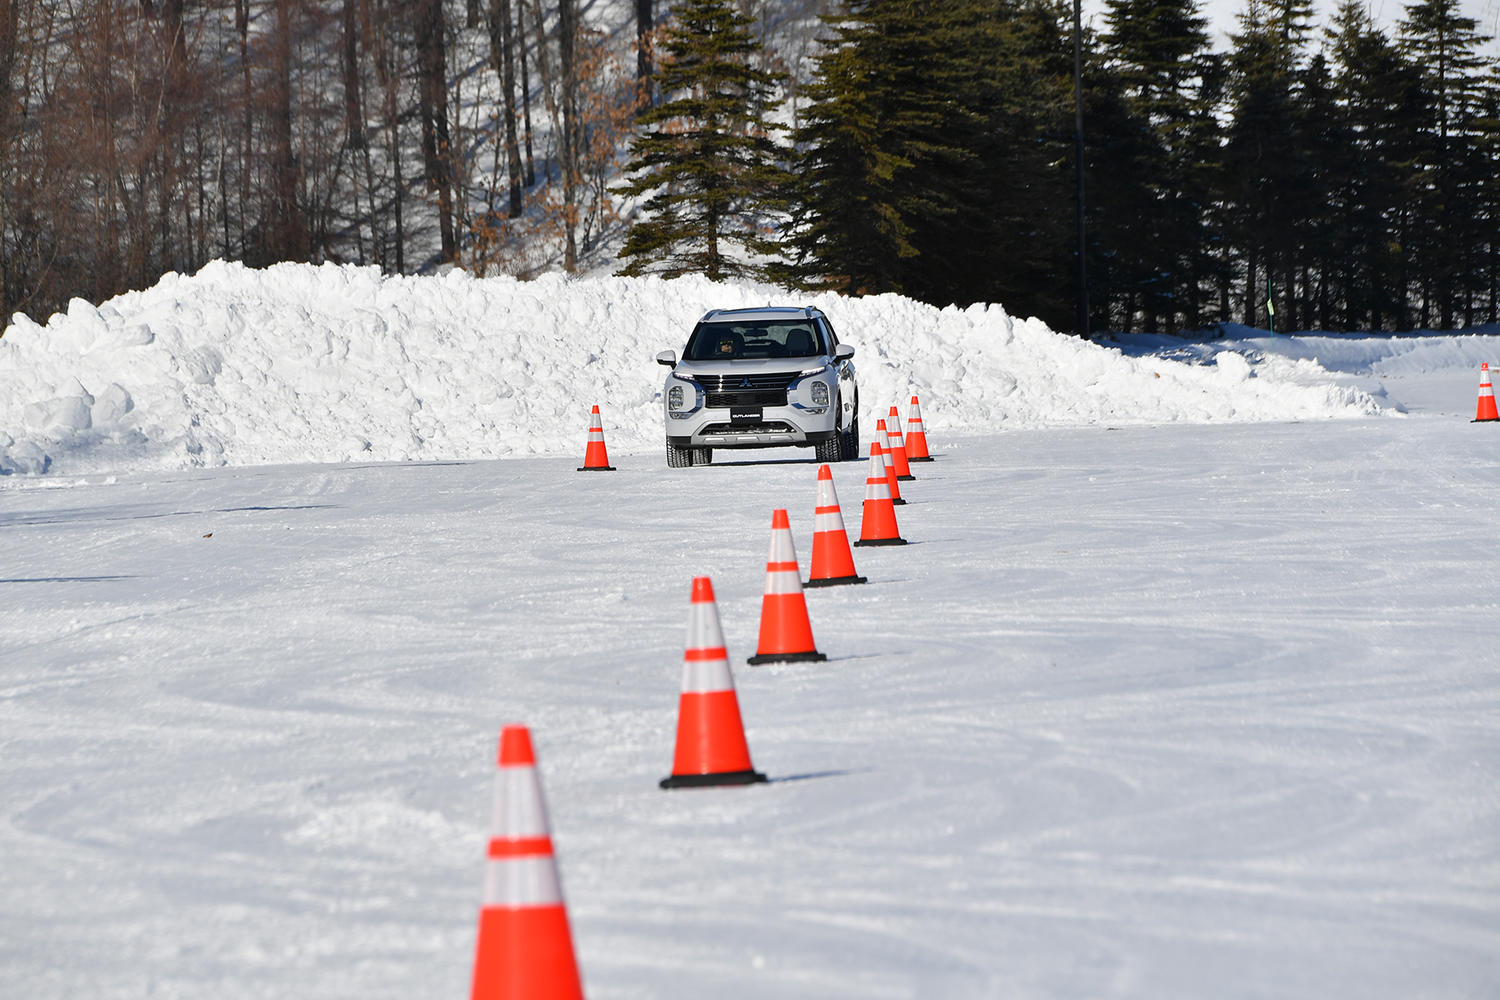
(1344,175)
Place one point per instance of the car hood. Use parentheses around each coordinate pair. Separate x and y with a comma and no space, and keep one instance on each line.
(759,366)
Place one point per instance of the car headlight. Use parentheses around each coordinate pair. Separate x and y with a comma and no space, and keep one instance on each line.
(819,393)
(674,398)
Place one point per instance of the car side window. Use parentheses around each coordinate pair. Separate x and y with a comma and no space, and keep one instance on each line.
(830,339)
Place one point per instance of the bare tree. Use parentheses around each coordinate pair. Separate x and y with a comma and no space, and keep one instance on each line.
(433,90)
(354,116)
(502,54)
(388,74)
(525,92)
(567,43)
(645,24)
(287,237)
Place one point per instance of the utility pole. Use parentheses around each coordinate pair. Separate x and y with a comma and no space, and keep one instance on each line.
(1082,321)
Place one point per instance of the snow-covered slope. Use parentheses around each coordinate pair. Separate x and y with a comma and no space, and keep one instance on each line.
(295,363)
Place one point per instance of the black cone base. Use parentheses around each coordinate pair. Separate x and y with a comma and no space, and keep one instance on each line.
(596,468)
(899,502)
(707,780)
(906,479)
(929,458)
(834,581)
(811,656)
(1486,420)
(881,541)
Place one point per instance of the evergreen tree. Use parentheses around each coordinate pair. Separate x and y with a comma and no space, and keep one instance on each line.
(1444,44)
(1159,52)
(1487,215)
(1322,136)
(1265,166)
(706,161)
(1011,241)
(849,231)
(927,155)
(868,137)
(1119,151)
(1380,105)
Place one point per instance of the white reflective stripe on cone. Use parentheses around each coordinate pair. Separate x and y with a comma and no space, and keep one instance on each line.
(782,549)
(522,882)
(784,578)
(518,807)
(707,675)
(704,631)
(831,519)
(876,486)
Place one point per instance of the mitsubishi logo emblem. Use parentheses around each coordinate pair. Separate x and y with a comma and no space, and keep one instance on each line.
(745,383)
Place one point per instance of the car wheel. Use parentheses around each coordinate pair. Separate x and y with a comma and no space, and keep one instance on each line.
(678,458)
(830,450)
(703,456)
(849,441)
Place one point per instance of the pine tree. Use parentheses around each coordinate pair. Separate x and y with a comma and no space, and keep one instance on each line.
(706,160)
(927,155)
(1265,165)
(1380,104)
(1159,50)
(1009,236)
(857,152)
(1487,291)
(1444,43)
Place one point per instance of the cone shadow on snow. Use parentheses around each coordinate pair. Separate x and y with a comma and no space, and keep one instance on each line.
(814,775)
(241,510)
(66,579)
(825,662)
(396,464)
(86,515)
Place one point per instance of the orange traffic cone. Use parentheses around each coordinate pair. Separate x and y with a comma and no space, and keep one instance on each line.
(916,435)
(897,446)
(879,524)
(832,562)
(711,747)
(596,458)
(1486,409)
(785,630)
(524,948)
(882,439)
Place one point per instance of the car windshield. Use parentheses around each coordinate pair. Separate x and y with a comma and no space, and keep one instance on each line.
(752,339)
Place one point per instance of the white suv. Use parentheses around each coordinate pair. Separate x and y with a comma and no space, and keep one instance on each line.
(761,378)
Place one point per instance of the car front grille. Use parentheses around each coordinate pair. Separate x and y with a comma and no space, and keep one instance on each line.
(769,397)
(733,430)
(758,389)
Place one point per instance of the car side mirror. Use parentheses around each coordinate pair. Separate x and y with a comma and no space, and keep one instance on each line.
(668,358)
(843,352)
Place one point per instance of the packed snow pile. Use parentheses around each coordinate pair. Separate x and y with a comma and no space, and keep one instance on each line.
(302,363)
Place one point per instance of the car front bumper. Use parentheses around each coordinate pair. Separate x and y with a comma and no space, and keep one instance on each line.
(773,426)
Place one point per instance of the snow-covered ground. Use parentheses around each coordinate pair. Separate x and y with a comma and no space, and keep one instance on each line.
(1183,689)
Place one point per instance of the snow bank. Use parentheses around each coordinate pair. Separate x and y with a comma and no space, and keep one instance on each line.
(1348,353)
(296,363)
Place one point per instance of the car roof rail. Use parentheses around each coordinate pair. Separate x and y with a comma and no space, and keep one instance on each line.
(808,312)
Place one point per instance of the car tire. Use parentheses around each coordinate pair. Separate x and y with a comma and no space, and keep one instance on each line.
(678,458)
(830,450)
(703,456)
(849,441)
